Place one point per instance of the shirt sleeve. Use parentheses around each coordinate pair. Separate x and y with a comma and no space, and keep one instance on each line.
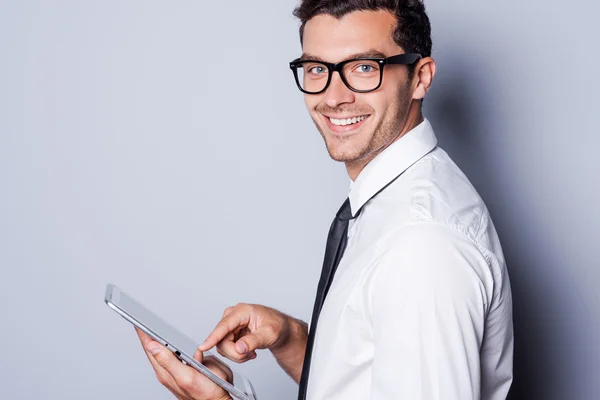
(427,302)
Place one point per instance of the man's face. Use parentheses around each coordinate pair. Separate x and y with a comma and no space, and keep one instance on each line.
(386,108)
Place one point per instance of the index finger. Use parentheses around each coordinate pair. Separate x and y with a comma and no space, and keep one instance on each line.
(227,325)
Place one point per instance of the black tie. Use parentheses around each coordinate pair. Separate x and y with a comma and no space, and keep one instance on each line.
(336,244)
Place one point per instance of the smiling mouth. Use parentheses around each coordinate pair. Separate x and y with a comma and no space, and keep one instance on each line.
(347,121)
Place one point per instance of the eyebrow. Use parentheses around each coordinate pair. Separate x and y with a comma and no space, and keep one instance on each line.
(371,53)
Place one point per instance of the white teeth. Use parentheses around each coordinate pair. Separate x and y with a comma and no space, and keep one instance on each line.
(347,121)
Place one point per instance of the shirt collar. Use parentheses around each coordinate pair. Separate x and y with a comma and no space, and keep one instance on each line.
(390,163)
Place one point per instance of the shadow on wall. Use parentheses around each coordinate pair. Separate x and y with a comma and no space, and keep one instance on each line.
(464,110)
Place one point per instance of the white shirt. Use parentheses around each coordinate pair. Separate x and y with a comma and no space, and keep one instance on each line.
(420,306)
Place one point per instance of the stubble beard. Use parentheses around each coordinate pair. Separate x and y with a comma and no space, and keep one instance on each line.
(361,147)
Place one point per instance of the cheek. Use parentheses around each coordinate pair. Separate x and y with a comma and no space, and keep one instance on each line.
(380,102)
(392,100)
(311,102)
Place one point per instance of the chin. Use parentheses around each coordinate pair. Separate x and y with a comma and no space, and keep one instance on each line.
(346,148)
(344,153)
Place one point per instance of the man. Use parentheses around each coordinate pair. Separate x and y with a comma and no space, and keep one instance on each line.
(414,302)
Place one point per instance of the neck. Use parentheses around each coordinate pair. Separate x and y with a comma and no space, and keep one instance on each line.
(415,117)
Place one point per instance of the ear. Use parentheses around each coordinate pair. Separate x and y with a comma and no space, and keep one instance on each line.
(423,77)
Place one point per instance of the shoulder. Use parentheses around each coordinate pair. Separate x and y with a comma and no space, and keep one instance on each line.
(441,192)
(435,190)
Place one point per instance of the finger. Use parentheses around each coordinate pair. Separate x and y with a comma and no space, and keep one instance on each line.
(189,383)
(144,338)
(181,374)
(199,356)
(161,374)
(147,341)
(230,338)
(224,327)
(228,311)
(248,343)
(248,357)
(219,368)
(228,350)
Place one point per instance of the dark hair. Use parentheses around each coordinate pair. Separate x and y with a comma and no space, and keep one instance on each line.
(413,30)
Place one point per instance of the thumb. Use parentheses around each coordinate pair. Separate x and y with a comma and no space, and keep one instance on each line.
(158,352)
(249,343)
(165,359)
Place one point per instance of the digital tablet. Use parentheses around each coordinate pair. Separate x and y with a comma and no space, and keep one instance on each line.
(182,346)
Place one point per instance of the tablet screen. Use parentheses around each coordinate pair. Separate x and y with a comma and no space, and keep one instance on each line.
(160,327)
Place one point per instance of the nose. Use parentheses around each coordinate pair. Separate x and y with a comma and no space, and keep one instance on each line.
(338,93)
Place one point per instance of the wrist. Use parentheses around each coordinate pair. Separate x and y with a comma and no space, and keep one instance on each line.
(283,336)
(291,330)
(290,349)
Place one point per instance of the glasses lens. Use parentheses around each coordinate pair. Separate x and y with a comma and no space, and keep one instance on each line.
(363,74)
(312,76)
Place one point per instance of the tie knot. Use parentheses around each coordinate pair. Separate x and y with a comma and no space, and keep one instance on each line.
(345,212)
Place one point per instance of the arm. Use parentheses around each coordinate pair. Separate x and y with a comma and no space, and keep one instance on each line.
(290,355)
(427,302)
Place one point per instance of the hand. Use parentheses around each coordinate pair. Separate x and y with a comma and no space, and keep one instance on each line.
(246,328)
(183,381)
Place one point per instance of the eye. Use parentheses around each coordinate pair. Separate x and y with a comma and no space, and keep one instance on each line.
(317,70)
(365,68)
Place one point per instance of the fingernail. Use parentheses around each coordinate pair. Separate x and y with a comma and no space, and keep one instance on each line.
(241,347)
(153,349)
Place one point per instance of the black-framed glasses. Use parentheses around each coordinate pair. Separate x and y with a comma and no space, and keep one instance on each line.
(361,75)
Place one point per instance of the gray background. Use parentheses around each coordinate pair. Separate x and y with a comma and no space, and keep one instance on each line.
(164,147)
